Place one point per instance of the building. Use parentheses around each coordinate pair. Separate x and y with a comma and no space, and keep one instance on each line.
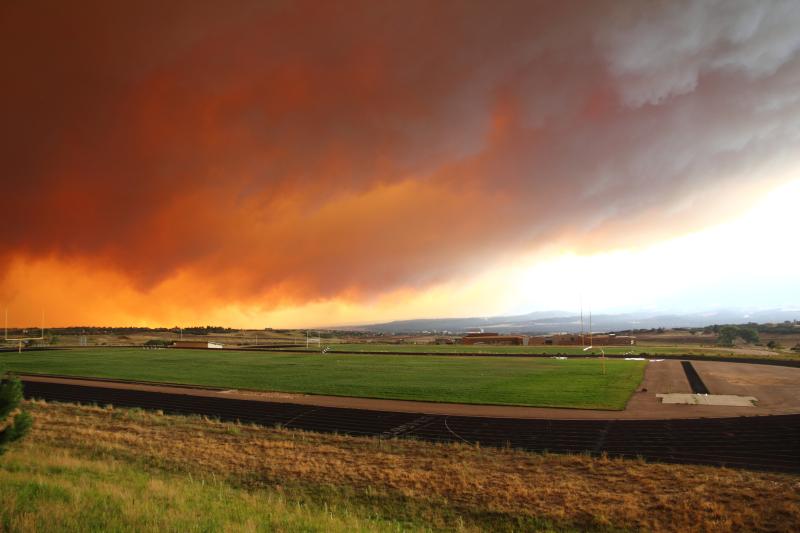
(202,345)
(610,339)
(493,338)
(558,339)
(576,339)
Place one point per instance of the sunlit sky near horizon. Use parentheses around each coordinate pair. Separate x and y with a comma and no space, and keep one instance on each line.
(310,164)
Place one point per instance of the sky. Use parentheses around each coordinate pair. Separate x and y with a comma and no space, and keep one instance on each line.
(290,164)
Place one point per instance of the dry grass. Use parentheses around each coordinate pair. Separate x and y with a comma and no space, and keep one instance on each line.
(568,491)
(44,489)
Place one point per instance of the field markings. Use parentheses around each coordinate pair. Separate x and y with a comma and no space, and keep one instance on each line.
(728,400)
(407,427)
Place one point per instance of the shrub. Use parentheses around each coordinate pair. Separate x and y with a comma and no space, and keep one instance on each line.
(14,423)
(157,342)
(728,334)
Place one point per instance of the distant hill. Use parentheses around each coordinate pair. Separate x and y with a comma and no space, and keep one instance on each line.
(542,322)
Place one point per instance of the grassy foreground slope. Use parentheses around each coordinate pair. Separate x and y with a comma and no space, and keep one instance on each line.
(48,489)
(90,468)
(577,383)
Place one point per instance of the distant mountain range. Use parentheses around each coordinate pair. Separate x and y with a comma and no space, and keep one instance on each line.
(542,322)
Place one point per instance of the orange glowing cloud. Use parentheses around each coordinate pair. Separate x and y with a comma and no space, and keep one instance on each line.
(189,158)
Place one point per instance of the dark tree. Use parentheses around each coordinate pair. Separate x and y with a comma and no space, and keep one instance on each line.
(14,422)
(749,334)
(727,335)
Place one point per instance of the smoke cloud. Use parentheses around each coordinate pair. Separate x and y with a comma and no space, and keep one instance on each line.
(276,154)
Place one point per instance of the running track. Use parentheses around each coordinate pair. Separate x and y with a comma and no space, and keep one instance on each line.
(759,443)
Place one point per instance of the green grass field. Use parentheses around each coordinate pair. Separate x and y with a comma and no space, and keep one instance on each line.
(532,350)
(576,383)
(487,349)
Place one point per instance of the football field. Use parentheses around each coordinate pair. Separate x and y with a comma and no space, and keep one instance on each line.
(546,382)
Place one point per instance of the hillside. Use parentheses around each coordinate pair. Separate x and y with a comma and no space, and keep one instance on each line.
(557,321)
(133,470)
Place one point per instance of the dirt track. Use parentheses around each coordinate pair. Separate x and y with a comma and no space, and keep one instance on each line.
(670,433)
(777,388)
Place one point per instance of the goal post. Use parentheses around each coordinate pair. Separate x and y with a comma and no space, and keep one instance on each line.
(21,340)
(313,340)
